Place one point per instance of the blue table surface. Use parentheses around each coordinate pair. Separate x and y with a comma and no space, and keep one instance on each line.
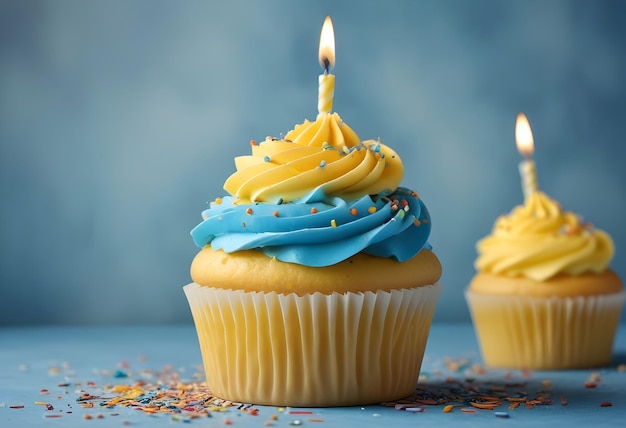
(67,361)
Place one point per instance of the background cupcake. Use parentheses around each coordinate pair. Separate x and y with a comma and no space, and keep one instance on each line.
(544,296)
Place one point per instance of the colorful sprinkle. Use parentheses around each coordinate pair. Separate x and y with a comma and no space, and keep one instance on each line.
(333,223)
(448,408)
(322,164)
(275,213)
(313,210)
(266,158)
(371,210)
(606,404)
(218,201)
(248,211)
(416,222)
(353,211)
(253,143)
(501,414)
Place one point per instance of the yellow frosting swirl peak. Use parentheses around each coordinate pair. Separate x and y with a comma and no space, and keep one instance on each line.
(325,155)
(539,240)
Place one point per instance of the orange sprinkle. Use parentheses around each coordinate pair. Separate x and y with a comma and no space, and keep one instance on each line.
(371,210)
(248,210)
(274,417)
(313,210)
(487,406)
(425,221)
(253,143)
(228,421)
(99,416)
(253,412)
(416,222)
(448,408)
(590,385)
(546,383)
(353,211)
(514,405)
(87,416)
(275,213)
(316,419)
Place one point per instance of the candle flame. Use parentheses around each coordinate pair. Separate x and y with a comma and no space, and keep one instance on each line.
(327,45)
(524,136)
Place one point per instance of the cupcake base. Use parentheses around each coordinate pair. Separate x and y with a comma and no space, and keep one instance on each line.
(545,333)
(315,350)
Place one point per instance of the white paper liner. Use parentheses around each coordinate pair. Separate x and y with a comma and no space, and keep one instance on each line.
(545,333)
(312,350)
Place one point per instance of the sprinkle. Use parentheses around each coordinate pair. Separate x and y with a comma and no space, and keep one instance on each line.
(468,410)
(501,414)
(248,211)
(316,419)
(44,392)
(563,400)
(87,416)
(55,415)
(590,384)
(546,383)
(322,163)
(621,368)
(228,421)
(514,406)
(415,409)
(17,406)
(416,222)
(333,223)
(300,412)
(425,221)
(253,143)
(448,408)
(281,409)
(371,210)
(296,422)
(353,211)
(266,158)
(218,201)
(275,213)
(313,210)
(606,404)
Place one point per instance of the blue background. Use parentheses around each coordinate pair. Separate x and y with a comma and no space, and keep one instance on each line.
(119,120)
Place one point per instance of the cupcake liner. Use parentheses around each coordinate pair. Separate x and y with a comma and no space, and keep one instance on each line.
(545,333)
(312,350)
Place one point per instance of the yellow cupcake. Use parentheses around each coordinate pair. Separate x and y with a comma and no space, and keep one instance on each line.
(315,284)
(544,296)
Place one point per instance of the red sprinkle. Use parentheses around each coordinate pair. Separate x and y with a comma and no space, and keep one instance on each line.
(590,385)
(253,143)
(606,404)
(16,407)
(249,211)
(300,412)
(353,211)
(313,210)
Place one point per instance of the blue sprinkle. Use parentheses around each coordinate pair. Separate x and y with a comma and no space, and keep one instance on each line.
(501,414)
(377,148)
(120,373)
(266,158)
(322,164)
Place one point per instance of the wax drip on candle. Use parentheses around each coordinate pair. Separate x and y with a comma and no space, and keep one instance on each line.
(326,90)
(525,145)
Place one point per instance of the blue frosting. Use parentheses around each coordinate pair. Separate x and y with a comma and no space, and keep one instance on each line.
(319,231)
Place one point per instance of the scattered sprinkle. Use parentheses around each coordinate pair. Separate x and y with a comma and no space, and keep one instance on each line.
(248,211)
(501,414)
(333,223)
(322,163)
(275,213)
(590,384)
(218,201)
(371,210)
(313,210)
(606,404)
(253,143)
(266,158)
(16,406)
(448,408)
(353,211)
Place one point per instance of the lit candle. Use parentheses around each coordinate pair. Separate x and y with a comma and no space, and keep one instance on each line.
(327,61)
(526,145)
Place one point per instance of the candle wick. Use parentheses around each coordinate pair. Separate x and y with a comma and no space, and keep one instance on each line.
(326,65)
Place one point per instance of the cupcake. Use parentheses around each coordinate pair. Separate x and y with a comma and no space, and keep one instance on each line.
(544,296)
(315,284)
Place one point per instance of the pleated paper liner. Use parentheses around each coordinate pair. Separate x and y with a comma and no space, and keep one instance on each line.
(313,350)
(545,333)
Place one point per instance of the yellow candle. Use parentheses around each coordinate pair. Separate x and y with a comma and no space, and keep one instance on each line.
(526,146)
(327,61)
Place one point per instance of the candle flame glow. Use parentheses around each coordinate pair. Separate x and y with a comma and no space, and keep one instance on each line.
(524,136)
(327,45)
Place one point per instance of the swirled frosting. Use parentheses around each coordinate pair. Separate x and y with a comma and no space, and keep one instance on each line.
(316,198)
(539,240)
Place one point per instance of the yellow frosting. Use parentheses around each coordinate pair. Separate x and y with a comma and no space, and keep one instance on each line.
(325,155)
(539,240)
